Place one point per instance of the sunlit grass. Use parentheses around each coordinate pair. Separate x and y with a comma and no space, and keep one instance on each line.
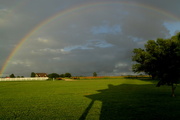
(111,98)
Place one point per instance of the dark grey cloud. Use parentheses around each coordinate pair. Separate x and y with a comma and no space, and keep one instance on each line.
(99,38)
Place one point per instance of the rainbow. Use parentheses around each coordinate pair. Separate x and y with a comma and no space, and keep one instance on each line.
(67,12)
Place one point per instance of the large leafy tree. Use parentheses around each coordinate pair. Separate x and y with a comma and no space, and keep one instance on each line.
(160,59)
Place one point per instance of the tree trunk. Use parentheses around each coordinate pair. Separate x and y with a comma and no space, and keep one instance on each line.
(173,90)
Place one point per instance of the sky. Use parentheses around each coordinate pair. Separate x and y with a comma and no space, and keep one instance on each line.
(80,36)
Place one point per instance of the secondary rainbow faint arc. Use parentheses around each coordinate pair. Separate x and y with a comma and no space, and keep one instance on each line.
(73,9)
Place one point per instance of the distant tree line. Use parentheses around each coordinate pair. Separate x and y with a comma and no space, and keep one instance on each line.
(52,75)
(13,76)
(55,75)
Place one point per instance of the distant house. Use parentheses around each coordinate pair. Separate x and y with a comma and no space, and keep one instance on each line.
(41,75)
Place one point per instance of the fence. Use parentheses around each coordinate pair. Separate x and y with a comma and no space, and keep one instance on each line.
(24,79)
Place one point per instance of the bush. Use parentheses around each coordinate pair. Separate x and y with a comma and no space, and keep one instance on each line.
(59,78)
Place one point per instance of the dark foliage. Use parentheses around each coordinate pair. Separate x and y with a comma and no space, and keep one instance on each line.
(160,59)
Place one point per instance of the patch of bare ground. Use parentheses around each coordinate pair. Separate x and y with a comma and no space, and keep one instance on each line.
(69,79)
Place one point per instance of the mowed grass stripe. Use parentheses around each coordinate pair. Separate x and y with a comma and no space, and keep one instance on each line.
(71,100)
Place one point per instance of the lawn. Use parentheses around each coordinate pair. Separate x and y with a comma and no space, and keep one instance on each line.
(104,99)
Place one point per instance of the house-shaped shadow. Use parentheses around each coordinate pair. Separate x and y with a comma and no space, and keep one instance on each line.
(129,102)
(110,99)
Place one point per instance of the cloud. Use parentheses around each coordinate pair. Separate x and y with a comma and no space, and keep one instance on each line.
(21,63)
(172,27)
(98,38)
(100,43)
(76,47)
(106,29)
(56,58)
(3,15)
(89,45)
(42,40)
(53,51)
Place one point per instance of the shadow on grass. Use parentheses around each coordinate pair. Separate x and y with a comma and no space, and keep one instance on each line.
(135,102)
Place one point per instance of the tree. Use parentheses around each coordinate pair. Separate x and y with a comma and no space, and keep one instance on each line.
(67,75)
(61,75)
(12,76)
(161,60)
(94,74)
(53,75)
(33,74)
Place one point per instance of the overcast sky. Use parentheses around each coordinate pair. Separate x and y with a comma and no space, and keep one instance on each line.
(87,36)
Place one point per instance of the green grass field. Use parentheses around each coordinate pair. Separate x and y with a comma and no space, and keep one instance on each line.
(104,99)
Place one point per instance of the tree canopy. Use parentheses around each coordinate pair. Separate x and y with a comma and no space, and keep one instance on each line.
(94,74)
(33,74)
(67,75)
(161,59)
(12,76)
(53,75)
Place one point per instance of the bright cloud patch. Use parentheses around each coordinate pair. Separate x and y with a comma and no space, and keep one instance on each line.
(173,27)
(119,65)
(42,40)
(91,44)
(3,14)
(50,50)
(56,58)
(100,43)
(81,47)
(19,62)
